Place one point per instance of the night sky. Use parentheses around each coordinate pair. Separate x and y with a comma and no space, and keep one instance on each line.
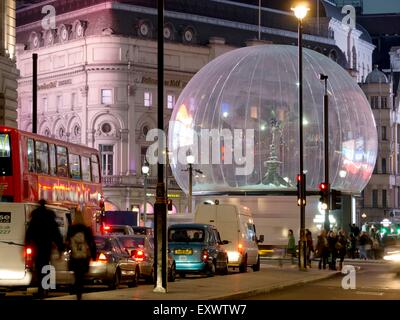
(381,6)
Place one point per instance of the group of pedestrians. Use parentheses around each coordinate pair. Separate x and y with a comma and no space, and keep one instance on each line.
(330,248)
(43,232)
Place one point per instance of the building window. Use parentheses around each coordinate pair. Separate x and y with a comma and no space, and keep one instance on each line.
(253,112)
(73,100)
(383,165)
(375,102)
(384,102)
(170,101)
(143,151)
(148,99)
(375,198)
(77,130)
(384,198)
(107,159)
(45,104)
(106,96)
(384,137)
(59,101)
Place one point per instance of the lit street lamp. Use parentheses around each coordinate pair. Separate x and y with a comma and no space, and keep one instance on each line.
(190,160)
(300,11)
(145,171)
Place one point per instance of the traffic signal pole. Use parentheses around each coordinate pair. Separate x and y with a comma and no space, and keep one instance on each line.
(326,149)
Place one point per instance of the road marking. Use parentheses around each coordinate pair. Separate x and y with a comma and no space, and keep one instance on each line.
(370,293)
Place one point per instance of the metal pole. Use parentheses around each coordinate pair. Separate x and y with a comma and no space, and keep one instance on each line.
(34,92)
(302,240)
(145,200)
(190,188)
(160,207)
(326,150)
(259,19)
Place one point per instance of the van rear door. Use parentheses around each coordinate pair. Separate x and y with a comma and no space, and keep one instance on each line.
(12,240)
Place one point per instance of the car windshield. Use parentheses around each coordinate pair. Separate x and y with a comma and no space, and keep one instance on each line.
(131,242)
(186,235)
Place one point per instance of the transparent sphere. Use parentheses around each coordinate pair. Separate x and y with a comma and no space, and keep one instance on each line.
(239,117)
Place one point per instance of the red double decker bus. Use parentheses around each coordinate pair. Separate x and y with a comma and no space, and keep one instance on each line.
(34,167)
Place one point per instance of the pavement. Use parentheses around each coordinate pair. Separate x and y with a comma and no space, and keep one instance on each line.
(233,286)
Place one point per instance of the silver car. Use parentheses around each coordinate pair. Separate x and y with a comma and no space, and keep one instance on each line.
(113,264)
(141,248)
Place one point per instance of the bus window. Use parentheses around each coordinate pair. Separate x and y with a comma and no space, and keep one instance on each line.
(5,155)
(85,168)
(31,155)
(74,166)
(53,168)
(62,162)
(95,169)
(42,157)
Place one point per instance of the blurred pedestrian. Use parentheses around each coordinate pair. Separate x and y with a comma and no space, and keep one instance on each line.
(364,241)
(40,235)
(83,248)
(332,241)
(291,248)
(353,246)
(354,230)
(341,247)
(310,247)
(321,250)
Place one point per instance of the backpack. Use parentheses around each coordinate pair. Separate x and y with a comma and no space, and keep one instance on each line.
(79,246)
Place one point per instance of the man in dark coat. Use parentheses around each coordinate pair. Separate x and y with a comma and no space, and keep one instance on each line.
(41,233)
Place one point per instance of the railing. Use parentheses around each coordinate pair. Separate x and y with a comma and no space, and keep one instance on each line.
(137,181)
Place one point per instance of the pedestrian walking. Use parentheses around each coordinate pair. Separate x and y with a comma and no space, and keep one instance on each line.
(40,235)
(364,241)
(310,247)
(341,247)
(332,241)
(83,248)
(291,248)
(321,250)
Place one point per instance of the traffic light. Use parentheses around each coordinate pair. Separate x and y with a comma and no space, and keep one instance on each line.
(169,205)
(301,189)
(336,199)
(324,195)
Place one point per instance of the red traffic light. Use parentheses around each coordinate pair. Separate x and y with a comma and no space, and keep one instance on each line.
(323,186)
(298,177)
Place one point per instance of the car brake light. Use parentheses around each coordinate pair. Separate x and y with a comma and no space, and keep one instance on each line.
(204,255)
(28,257)
(102,257)
(139,256)
(240,248)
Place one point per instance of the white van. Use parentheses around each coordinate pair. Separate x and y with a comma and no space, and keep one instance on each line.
(14,266)
(235,224)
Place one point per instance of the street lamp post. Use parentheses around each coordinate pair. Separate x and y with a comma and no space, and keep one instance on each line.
(145,171)
(300,11)
(160,207)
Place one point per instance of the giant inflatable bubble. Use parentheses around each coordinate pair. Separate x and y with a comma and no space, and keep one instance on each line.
(238,117)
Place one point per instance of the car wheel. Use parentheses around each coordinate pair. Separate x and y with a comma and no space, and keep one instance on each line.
(225,270)
(256,267)
(116,280)
(135,280)
(172,274)
(151,278)
(211,269)
(243,265)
